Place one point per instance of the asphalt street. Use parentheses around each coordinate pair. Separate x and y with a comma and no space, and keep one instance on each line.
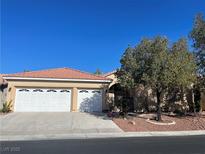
(139,145)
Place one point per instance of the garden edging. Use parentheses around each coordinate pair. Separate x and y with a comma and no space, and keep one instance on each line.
(160,123)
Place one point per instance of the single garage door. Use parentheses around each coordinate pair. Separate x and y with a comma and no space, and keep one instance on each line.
(42,100)
(90,100)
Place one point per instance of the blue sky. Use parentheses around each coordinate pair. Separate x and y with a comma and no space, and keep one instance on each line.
(86,34)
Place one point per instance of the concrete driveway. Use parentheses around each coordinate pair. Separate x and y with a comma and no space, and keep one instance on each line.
(55,123)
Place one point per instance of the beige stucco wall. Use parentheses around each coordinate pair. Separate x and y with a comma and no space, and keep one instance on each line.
(74,86)
(2,97)
(114,79)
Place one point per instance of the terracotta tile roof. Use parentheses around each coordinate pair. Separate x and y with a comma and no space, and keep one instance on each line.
(58,73)
(109,73)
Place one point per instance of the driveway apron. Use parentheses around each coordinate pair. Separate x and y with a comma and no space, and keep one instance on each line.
(41,123)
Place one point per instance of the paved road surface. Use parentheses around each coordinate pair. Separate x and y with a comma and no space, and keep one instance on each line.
(144,145)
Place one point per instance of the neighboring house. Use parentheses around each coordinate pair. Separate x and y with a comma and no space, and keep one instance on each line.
(57,90)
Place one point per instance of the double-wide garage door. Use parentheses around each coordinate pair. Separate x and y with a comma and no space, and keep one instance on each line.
(42,100)
(56,100)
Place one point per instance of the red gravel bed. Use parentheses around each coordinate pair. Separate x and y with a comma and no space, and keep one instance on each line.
(182,124)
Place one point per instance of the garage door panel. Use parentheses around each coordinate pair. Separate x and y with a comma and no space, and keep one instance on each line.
(42,100)
(90,100)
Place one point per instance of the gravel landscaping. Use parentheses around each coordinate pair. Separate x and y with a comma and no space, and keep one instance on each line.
(133,124)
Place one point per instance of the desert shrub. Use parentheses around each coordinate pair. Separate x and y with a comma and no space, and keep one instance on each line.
(6,107)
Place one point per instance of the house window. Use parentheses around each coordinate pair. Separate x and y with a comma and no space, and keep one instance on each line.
(51,90)
(26,90)
(67,91)
(83,91)
(37,90)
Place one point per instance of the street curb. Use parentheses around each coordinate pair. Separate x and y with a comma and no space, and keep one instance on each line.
(100,135)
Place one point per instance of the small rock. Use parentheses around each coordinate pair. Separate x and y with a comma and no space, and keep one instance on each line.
(132,122)
(172,114)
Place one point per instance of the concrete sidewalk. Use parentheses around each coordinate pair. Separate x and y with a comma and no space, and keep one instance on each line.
(98,135)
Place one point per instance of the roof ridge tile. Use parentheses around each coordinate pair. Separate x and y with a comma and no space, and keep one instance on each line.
(84,72)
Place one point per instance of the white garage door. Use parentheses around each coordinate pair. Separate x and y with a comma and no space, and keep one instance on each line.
(89,100)
(42,100)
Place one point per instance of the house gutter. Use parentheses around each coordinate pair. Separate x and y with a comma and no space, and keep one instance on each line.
(57,79)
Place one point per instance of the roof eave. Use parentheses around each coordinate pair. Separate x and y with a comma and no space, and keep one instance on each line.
(57,79)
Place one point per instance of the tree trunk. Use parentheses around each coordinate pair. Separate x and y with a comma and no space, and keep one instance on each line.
(182,100)
(194,107)
(159,117)
(200,102)
(146,104)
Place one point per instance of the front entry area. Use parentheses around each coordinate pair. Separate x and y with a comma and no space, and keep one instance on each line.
(90,100)
(42,100)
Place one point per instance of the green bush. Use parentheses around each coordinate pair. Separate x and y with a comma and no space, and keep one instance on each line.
(6,107)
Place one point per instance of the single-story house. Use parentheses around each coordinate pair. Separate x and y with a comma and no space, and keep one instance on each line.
(57,90)
(65,90)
